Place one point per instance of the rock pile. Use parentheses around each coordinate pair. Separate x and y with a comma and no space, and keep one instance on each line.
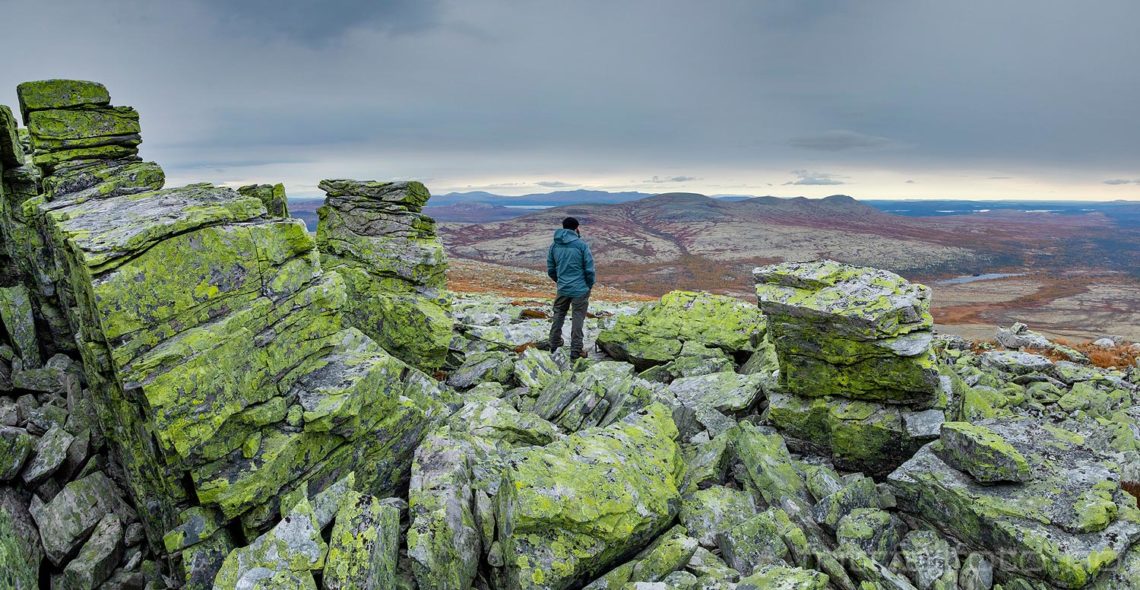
(858,375)
(375,236)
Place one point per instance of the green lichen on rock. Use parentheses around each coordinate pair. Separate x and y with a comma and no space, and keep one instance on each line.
(11,151)
(754,543)
(60,94)
(19,325)
(271,195)
(293,546)
(19,544)
(375,235)
(443,540)
(708,512)
(1049,522)
(363,546)
(768,464)
(70,129)
(874,531)
(657,333)
(784,578)
(982,453)
(558,531)
(855,332)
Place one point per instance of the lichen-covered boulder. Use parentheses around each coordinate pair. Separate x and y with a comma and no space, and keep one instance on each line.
(271,195)
(491,366)
(768,464)
(15,447)
(657,333)
(1067,524)
(982,453)
(708,512)
(49,455)
(695,359)
(293,547)
(859,492)
(874,531)
(375,235)
(363,546)
(858,435)
(754,543)
(599,395)
(444,539)
(98,557)
(779,577)
(855,332)
(59,94)
(557,531)
(67,520)
(930,561)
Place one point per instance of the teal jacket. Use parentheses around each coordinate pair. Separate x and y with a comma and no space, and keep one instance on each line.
(570,263)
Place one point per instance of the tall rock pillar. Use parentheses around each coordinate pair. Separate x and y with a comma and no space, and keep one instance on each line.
(376,236)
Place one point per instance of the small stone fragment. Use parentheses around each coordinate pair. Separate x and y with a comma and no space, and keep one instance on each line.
(51,451)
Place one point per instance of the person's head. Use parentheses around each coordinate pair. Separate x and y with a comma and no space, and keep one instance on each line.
(570,223)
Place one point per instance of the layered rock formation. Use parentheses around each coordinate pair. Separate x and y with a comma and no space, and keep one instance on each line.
(215,351)
(857,369)
(393,264)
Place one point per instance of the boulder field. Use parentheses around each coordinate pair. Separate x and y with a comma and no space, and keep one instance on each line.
(196,392)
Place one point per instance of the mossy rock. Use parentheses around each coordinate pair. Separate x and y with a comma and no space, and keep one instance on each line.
(559,531)
(60,94)
(658,332)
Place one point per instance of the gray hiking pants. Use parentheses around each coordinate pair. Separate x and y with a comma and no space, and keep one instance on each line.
(562,304)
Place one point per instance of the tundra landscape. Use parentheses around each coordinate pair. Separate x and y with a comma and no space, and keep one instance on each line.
(597,295)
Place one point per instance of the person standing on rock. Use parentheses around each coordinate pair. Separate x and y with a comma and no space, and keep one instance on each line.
(570,264)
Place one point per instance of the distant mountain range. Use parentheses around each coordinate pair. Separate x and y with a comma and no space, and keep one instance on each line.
(678,239)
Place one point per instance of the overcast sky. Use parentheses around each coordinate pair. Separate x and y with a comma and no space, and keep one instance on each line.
(876,99)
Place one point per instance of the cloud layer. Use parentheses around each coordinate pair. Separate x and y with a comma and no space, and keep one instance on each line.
(722,97)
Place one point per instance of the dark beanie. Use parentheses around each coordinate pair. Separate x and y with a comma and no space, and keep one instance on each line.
(569,223)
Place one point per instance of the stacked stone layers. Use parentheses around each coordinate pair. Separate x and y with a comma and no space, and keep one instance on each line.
(215,349)
(857,369)
(374,234)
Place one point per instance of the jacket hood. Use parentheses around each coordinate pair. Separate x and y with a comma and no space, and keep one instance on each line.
(565,236)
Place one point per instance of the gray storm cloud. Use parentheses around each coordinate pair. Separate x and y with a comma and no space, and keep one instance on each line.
(499,92)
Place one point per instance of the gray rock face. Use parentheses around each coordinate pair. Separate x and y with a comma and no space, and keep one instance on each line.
(51,451)
(930,561)
(1017,363)
(15,447)
(443,541)
(67,520)
(1067,525)
(98,557)
(16,317)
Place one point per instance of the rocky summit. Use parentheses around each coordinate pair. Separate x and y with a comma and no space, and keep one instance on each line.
(197,392)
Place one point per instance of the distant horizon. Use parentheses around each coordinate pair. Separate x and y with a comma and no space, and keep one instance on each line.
(316,197)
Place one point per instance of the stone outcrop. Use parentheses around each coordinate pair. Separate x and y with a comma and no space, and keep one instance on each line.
(393,264)
(197,393)
(219,369)
(858,373)
(657,333)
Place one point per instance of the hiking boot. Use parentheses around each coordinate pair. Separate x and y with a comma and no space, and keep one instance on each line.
(581,354)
